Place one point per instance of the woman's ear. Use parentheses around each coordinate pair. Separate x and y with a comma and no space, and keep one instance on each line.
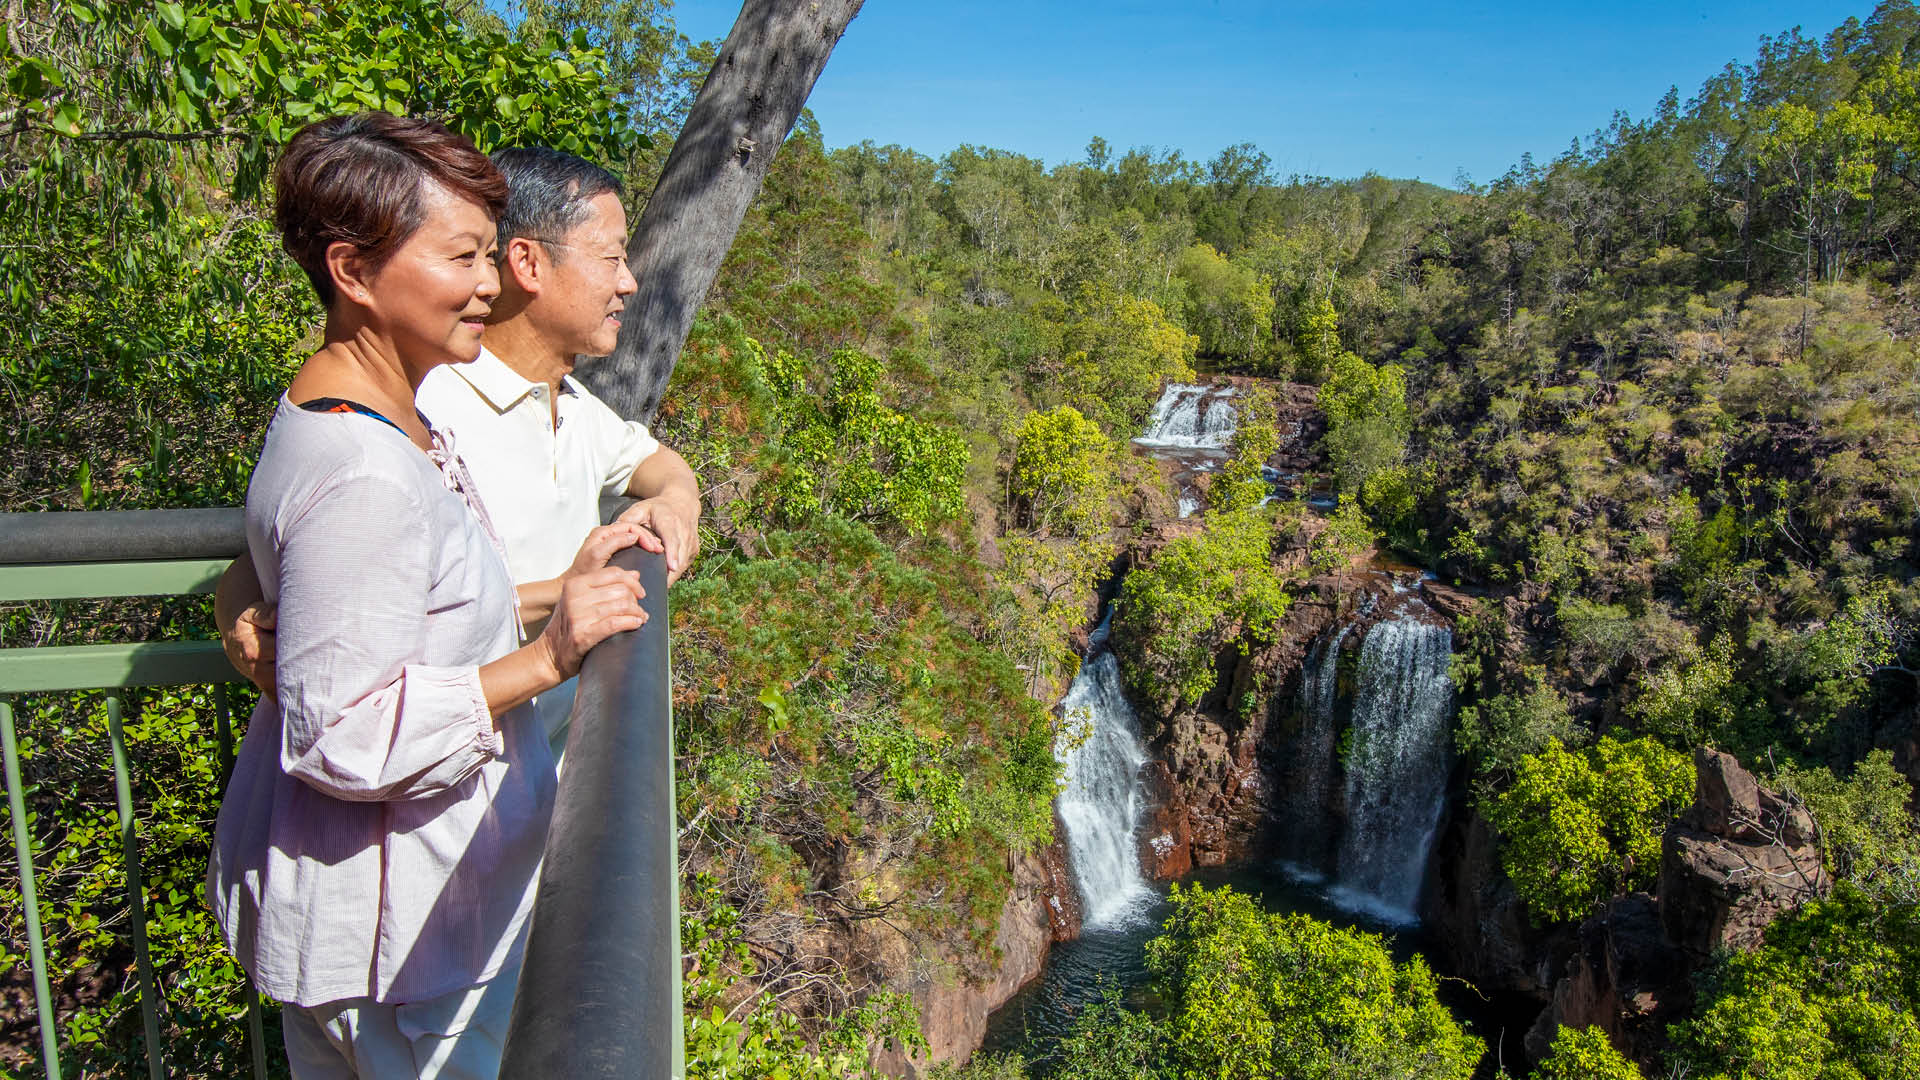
(352,281)
(524,265)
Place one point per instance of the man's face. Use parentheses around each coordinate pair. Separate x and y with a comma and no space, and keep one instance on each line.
(591,281)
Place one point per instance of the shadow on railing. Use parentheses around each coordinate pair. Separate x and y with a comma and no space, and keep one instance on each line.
(599,992)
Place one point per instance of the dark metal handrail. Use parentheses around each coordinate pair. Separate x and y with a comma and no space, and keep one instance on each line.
(91,536)
(599,992)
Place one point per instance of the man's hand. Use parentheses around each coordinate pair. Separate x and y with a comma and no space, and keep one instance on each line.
(246,623)
(671,525)
(249,643)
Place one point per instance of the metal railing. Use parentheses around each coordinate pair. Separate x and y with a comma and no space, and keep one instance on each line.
(599,992)
(83,556)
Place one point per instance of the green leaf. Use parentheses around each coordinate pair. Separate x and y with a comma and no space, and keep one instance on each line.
(173,14)
(66,119)
(33,77)
(157,41)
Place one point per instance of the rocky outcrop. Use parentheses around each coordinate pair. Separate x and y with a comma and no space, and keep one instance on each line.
(1478,922)
(1218,768)
(954,999)
(1737,859)
(1621,978)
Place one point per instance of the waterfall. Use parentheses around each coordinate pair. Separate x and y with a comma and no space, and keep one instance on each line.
(1310,751)
(1396,764)
(1103,801)
(1191,417)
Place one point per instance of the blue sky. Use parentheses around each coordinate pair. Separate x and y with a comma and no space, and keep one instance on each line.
(1326,88)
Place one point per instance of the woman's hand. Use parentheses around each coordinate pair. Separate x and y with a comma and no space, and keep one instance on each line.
(600,545)
(594,605)
(249,643)
(538,598)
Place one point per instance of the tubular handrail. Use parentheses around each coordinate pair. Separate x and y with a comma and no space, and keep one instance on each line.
(93,536)
(599,993)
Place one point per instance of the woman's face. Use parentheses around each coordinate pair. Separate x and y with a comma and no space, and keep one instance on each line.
(433,294)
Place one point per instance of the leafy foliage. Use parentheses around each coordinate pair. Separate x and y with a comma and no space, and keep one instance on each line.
(847,453)
(1832,993)
(1062,471)
(1868,833)
(1578,828)
(1202,591)
(1585,1054)
(838,718)
(1251,994)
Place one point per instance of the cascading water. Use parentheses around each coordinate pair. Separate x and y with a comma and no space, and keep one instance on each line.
(1103,801)
(1396,764)
(1189,417)
(1310,751)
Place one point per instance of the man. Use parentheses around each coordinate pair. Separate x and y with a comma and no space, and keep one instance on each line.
(541,448)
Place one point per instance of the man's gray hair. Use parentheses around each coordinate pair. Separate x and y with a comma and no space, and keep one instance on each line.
(548,192)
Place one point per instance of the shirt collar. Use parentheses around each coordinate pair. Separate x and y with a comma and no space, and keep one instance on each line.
(502,386)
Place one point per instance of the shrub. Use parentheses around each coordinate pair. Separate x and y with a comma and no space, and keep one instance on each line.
(1578,828)
(1202,591)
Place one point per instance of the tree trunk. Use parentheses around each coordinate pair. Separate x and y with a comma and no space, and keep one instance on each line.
(744,110)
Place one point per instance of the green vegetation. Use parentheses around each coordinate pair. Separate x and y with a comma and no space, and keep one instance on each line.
(1653,398)
(1832,993)
(1203,591)
(1585,1055)
(1063,471)
(1580,827)
(1251,994)
(1246,994)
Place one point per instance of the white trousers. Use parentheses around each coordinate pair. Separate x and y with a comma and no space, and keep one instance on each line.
(456,1036)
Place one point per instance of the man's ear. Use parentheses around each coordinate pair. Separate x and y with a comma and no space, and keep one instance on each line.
(526,264)
(352,279)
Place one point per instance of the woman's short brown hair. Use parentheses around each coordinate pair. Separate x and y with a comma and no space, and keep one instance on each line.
(356,179)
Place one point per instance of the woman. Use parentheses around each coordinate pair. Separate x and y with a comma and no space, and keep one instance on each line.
(377,850)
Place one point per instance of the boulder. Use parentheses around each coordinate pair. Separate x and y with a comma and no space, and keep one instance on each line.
(1737,859)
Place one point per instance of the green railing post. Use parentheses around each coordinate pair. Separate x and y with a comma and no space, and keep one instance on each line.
(111,554)
(23,847)
(256,1024)
(136,891)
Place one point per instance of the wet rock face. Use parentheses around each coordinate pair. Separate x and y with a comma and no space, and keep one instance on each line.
(1062,899)
(1166,836)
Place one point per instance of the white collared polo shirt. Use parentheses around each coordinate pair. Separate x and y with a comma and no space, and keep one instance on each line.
(540,480)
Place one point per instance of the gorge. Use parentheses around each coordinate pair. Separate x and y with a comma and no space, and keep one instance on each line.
(1340,785)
